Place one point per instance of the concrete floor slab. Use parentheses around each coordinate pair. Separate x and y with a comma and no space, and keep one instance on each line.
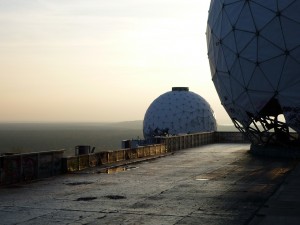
(212,184)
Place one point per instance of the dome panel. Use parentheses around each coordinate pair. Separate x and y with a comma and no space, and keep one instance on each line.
(268,33)
(245,21)
(291,33)
(290,75)
(260,82)
(226,26)
(230,57)
(221,62)
(275,67)
(267,50)
(250,52)
(208,37)
(267,4)
(231,9)
(214,11)
(244,102)
(236,71)
(217,27)
(229,41)
(224,84)
(248,69)
(288,12)
(262,15)
(260,99)
(225,97)
(242,40)
(284,4)
(237,112)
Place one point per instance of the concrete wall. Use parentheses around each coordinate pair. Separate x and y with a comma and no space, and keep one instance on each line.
(31,166)
(75,163)
(230,137)
(174,143)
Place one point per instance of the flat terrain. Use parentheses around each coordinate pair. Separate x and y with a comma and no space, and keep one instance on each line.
(29,137)
(212,184)
(36,137)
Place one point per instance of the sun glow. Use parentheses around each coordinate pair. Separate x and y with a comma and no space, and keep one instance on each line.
(60,58)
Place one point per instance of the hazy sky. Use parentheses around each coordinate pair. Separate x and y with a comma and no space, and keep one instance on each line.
(100,60)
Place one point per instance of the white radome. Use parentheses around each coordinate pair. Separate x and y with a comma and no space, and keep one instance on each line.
(254,55)
(179,111)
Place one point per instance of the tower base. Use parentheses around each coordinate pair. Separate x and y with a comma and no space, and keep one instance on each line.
(276,151)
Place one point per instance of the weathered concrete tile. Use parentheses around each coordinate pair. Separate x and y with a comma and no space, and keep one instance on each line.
(210,220)
(135,219)
(21,216)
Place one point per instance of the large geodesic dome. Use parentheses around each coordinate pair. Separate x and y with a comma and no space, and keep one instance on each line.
(254,55)
(179,111)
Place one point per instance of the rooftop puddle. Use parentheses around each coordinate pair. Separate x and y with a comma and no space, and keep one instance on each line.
(86,199)
(78,183)
(118,169)
(203,177)
(115,197)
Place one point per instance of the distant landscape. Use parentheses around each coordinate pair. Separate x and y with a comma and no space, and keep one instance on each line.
(35,137)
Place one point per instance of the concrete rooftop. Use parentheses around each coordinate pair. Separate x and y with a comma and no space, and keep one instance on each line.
(212,184)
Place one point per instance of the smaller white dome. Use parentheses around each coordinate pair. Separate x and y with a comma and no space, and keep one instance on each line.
(179,111)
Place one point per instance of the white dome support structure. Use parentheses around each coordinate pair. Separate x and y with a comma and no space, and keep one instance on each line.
(176,112)
(254,55)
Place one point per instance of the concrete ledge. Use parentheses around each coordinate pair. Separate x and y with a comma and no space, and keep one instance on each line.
(77,163)
(25,167)
(105,168)
(168,144)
